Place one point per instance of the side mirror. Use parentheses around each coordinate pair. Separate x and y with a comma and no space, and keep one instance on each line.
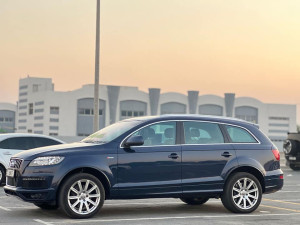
(134,141)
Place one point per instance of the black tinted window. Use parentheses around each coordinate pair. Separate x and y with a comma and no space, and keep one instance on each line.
(202,133)
(41,142)
(240,135)
(19,143)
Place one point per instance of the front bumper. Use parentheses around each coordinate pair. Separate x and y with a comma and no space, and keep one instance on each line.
(42,195)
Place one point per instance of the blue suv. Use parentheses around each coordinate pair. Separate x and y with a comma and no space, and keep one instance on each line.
(189,157)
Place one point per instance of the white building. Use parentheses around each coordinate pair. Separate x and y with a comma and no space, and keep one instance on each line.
(7,117)
(45,111)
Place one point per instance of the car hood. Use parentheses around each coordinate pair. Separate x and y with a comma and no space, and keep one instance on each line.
(53,150)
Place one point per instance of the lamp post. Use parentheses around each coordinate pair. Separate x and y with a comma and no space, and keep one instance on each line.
(96,85)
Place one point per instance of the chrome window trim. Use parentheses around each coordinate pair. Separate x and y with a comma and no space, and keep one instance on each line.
(205,121)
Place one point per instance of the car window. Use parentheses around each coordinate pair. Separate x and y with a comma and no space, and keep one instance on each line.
(18,143)
(41,142)
(239,135)
(202,133)
(163,133)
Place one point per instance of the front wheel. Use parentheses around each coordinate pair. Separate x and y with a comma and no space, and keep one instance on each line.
(81,196)
(242,193)
(194,201)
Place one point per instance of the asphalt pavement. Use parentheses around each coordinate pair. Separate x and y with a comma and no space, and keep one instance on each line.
(282,207)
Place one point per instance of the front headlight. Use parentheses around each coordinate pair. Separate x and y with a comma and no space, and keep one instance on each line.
(46,161)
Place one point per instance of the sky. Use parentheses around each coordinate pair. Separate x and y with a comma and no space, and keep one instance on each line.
(247,47)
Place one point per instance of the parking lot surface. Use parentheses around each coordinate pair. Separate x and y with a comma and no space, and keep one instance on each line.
(282,207)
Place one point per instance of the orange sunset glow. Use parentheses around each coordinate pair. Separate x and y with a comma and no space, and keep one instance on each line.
(248,47)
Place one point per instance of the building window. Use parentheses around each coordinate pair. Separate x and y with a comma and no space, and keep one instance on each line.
(38,117)
(23,87)
(53,127)
(125,113)
(29,131)
(8,119)
(22,128)
(39,110)
(278,125)
(279,131)
(1,119)
(39,103)
(83,111)
(30,108)
(54,120)
(38,125)
(23,94)
(54,110)
(22,100)
(278,118)
(23,114)
(23,107)
(53,134)
(38,132)
(35,88)
(22,121)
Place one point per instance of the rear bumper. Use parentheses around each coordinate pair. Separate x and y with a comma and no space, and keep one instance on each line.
(34,196)
(273,181)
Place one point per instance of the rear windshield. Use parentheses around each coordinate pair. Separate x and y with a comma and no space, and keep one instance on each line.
(111,132)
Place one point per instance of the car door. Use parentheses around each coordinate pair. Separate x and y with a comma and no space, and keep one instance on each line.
(153,168)
(12,146)
(205,157)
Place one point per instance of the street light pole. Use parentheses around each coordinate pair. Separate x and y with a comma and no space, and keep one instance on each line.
(96,85)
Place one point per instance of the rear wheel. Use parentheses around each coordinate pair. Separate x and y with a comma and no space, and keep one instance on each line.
(2,175)
(46,206)
(290,147)
(294,167)
(81,196)
(194,201)
(242,193)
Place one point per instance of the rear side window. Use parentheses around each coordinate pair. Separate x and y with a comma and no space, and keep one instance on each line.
(202,133)
(240,135)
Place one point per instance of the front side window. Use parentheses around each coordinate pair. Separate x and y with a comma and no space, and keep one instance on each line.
(111,132)
(18,143)
(240,135)
(158,134)
(202,133)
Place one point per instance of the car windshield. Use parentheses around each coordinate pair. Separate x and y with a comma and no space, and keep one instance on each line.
(111,132)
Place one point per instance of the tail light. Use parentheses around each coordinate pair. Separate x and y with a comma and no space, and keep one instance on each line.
(281,177)
(276,154)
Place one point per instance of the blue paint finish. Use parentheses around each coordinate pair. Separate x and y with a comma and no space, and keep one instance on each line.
(153,171)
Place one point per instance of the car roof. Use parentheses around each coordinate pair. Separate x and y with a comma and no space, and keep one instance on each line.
(9,135)
(220,119)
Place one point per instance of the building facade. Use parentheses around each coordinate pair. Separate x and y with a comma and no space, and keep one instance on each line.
(43,110)
(7,117)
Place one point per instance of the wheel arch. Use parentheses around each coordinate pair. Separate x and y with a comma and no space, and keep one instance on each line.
(248,169)
(98,174)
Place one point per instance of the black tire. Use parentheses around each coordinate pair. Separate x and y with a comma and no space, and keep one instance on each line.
(294,167)
(290,147)
(230,191)
(65,204)
(194,201)
(46,206)
(2,175)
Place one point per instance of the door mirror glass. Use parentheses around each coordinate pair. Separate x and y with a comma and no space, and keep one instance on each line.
(137,140)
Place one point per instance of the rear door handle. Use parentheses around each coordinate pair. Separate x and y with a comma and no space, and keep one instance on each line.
(226,154)
(173,156)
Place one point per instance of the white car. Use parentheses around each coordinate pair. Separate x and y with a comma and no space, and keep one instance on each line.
(13,143)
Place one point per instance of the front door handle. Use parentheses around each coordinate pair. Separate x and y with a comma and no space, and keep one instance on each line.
(226,154)
(173,156)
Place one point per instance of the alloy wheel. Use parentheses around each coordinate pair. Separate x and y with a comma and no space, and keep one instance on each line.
(84,196)
(245,193)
